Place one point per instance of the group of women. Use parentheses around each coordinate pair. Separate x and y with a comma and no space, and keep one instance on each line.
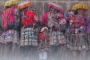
(54,31)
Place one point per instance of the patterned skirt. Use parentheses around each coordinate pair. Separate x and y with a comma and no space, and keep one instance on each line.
(77,41)
(28,37)
(10,36)
(56,38)
(2,38)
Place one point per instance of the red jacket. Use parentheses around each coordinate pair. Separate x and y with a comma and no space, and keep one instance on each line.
(4,18)
(29,19)
(42,38)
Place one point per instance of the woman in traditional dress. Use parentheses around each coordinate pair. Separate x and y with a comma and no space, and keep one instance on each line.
(5,23)
(52,20)
(5,14)
(13,16)
(28,41)
(10,36)
(11,20)
(77,40)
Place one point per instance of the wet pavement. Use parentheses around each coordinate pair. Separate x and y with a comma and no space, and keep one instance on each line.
(26,53)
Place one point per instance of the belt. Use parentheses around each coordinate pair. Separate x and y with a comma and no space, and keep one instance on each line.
(28,27)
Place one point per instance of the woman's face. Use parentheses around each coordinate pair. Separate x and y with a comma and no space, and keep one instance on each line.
(52,10)
(70,16)
(45,31)
(13,6)
(80,11)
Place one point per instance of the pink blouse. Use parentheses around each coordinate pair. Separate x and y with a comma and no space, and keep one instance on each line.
(11,16)
(5,18)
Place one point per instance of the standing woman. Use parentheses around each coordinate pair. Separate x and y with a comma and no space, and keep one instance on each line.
(5,23)
(13,17)
(4,15)
(81,19)
(52,20)
(13,26)
(28,41)
(11,34)
(70,32)
(48,21)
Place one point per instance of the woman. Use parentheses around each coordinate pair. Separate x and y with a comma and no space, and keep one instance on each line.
(5,23)
(5,14)
(28,41)
(78,42)
(52,20)
(13,17)
(10,36)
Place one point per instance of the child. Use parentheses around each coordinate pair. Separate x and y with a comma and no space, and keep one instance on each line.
(43,43)
(43,38)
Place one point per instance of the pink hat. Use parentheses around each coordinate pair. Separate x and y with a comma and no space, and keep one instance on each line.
(51,5)
(55,6)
